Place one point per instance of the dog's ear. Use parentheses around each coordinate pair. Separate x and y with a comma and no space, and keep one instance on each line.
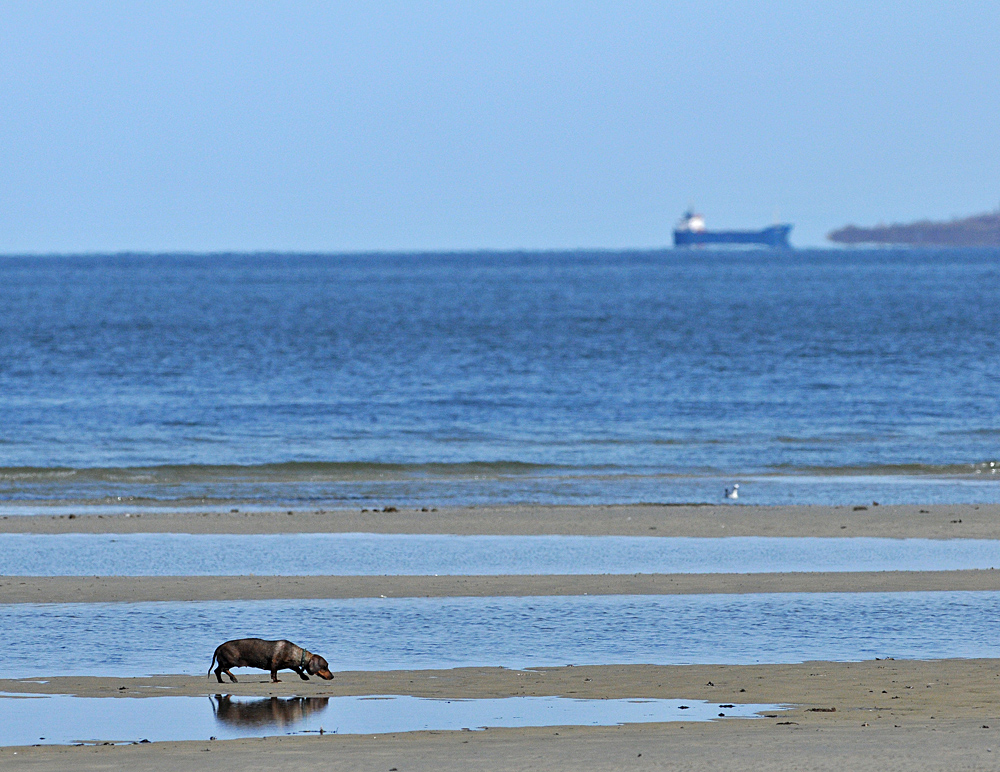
(322,667)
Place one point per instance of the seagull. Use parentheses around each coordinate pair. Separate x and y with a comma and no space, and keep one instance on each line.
(734,493)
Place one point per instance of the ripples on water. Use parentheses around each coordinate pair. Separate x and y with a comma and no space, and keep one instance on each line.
(124,639)
(381,554)
(572,377)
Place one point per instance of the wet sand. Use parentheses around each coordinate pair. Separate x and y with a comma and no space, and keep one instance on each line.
(879,715)
(937,715)
(928,522)
(113,589)
(949,746)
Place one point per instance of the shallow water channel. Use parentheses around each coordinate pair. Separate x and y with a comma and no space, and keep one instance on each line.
(158,554)
(136,639)
(63,719)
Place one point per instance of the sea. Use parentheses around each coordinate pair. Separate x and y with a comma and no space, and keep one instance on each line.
(336,381)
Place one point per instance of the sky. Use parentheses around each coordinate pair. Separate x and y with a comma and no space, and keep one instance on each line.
(374,126)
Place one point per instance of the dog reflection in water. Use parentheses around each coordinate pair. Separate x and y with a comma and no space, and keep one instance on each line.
(273,711)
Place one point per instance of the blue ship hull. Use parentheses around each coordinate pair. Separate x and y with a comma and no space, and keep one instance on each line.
(774,236)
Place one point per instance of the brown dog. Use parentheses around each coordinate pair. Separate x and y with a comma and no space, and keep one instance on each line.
(268,655)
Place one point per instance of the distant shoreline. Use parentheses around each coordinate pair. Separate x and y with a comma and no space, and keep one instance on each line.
(981,230)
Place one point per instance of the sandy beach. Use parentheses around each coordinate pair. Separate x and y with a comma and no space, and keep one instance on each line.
(880,715)
(877,715)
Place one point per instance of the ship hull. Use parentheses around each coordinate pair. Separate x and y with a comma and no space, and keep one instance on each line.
(775,236)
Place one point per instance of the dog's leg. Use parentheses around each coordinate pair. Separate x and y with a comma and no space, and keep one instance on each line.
(302,674)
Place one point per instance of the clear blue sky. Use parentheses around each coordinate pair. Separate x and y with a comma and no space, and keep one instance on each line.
(452,125)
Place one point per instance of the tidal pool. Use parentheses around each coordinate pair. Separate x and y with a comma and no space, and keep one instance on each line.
(136,639)
(157,554)
(63,719)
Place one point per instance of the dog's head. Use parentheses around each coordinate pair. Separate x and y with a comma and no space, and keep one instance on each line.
(319,666)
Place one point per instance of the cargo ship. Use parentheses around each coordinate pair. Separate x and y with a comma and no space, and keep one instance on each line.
(691,232)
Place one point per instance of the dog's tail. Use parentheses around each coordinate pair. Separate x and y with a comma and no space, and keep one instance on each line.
(214,655)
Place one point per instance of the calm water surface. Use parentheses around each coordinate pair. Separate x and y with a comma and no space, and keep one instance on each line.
(397,555)
(61,719)
(810,376)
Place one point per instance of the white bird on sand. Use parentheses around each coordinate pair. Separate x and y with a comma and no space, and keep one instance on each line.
(734,493)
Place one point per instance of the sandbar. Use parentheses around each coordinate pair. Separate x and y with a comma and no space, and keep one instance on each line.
(874,715)
(134,589)
(878,715)
(969,521)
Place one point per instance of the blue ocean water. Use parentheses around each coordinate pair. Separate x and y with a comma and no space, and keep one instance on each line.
(346,380)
